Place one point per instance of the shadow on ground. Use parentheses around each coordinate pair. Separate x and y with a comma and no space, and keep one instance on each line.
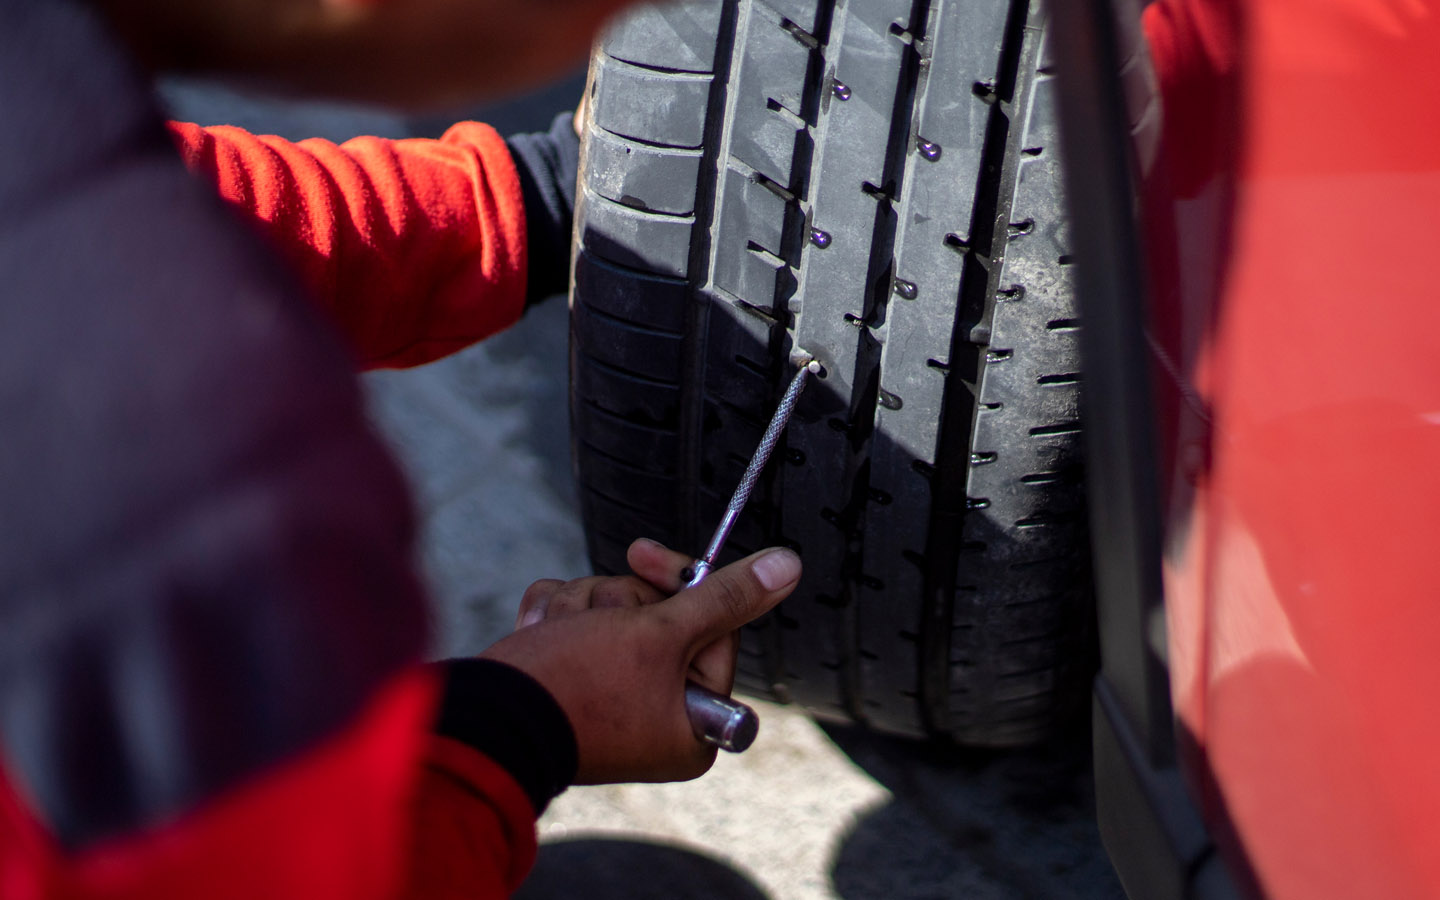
(977,824)
(840,814)
(637,870)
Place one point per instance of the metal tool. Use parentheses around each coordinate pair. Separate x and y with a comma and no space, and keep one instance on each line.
(725,722)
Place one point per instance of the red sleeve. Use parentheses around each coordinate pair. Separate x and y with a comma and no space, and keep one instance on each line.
(474,834)
(347,820)
(415,248)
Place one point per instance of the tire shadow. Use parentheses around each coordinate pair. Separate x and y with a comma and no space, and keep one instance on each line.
(621,869)
(974,823)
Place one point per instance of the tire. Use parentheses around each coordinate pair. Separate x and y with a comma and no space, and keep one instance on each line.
(874,183)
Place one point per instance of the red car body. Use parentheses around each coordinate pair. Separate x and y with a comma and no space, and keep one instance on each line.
(1296,339)
(1266,524)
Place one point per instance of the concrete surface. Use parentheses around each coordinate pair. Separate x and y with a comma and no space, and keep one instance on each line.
(809,813)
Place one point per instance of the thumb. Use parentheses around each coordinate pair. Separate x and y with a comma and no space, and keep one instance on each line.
(736,594)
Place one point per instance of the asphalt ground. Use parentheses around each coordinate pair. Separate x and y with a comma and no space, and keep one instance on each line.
(811,811)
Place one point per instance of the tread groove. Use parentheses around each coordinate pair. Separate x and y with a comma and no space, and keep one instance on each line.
(627,324)
(626,373)
(687,501)
(987,237)
(597,409)
(614,460)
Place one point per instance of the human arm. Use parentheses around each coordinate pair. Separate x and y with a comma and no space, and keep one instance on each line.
(593,694)
(501,745)
(631,648)
(413,248)
(500,749)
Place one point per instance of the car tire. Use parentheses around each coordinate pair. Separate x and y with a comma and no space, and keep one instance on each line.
(875,185)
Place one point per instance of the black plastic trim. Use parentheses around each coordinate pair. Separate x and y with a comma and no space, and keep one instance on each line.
(1152,829)
(1153,832)
(1121,461)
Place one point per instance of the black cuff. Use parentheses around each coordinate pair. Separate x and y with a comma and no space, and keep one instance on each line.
(508,716)
(548,165)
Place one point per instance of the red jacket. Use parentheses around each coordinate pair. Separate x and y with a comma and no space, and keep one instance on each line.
(414,248)
(209,630)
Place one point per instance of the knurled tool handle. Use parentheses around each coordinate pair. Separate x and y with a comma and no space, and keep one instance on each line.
(720,720)
(724,721)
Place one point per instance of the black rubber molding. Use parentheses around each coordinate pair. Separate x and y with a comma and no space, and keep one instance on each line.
(875,184)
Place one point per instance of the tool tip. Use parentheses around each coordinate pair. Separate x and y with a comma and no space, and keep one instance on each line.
(804,361)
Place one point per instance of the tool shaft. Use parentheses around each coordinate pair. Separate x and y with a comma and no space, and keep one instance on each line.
(752,474)
(720,720)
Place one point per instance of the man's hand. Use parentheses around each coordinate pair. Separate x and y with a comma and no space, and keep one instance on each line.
(616,652)
(661,573)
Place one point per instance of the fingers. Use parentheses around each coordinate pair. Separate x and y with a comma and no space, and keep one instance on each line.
(619,674)
(735,594)
(549,597)
(659,565)
(536,602)
(713,666)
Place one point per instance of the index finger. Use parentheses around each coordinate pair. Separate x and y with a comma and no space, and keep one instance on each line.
(662,567)
(736,594)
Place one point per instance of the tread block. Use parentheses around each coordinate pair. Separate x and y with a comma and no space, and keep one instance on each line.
(951,116)
(1016,384)
(1033,261)
(773,66)
(1035,581)
(736,334)
(624,521)
(774,71)
(631,294)
(731,425)
(739,331)
(1034,619)
(751,212)
(607,552)
(802,12)
(765,141)
(627,397)
(649,447)
(672,36)
(1008,723)
(745,395)
(749,274)
(1019,655)
(1009,549)
(878,16)
(652,179)
(638,487)
(1027,687)
(633,348)
(869,65)
(640,240)
(723,462)
(653,107)
(751,217)
(852,142)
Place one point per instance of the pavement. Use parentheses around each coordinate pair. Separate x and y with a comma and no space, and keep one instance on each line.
(812,811)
